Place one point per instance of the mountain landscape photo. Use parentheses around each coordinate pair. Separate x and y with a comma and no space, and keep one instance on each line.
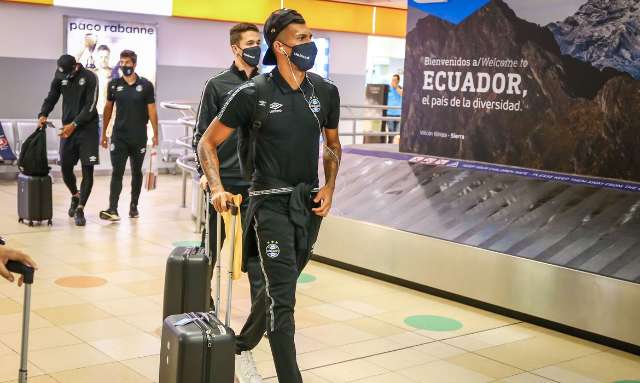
(604,33)
(582,111)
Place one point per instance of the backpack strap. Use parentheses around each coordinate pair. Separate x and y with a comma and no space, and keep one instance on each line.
(247,138)
(264,95)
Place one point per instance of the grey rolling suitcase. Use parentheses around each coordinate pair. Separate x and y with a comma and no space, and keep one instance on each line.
(28,273)
(197,347)
(35,202)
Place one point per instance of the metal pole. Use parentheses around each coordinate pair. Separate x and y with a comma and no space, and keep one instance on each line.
(184,188)
(232,238)
(199,211)
(219,261)
(25,333)
(353,139)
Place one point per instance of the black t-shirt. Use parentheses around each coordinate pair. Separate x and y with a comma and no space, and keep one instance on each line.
(132,113)
(287,144)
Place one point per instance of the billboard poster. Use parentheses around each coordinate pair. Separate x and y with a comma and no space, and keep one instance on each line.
(552,85)
(97,44)
(6,154)
(151,7)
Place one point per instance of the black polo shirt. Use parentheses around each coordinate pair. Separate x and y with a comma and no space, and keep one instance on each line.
(132,113)
(288,143)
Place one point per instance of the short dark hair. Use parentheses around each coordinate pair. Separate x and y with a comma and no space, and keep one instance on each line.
(235,34)
(396,75)
(104,48)
(129,54)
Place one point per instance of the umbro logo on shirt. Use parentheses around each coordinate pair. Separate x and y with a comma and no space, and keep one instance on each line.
(275,108)
(119,88)
(93,159)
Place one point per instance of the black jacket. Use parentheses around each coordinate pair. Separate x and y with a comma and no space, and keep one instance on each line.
(297,206)
(216,91)
(79,97)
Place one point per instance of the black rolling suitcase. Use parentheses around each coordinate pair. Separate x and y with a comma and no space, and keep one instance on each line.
(35,202)
(28,274)
(187,281)
(196,346)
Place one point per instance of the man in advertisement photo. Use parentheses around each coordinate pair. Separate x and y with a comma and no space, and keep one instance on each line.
(79,135)
(87,51)
(245,40)
(134,98)
(280,118)
(104,72)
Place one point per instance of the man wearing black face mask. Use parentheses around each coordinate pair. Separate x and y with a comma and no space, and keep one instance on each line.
(79,135)
(134,98)
(245,45)
(279,152)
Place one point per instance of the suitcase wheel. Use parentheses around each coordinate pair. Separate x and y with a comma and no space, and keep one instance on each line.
(20,220)
(50,223)
(30,223)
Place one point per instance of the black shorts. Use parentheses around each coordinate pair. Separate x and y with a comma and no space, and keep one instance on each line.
(79,147)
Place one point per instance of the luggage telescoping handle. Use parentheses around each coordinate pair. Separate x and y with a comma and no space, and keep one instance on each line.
(28,273)
(234,215)
(20,268)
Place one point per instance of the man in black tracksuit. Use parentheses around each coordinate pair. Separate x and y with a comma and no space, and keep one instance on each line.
(134,97)
(245,44)
(286,206)
(79,135)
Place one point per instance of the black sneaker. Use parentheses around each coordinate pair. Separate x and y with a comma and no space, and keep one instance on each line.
(74,205)
(79,217)
(110,215)
(133,212)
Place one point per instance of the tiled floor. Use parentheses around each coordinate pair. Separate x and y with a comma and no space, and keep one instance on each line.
(350,328)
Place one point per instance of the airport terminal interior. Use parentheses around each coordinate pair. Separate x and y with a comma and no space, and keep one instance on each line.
(485,222)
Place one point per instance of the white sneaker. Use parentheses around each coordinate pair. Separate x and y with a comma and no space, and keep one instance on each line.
(246,370)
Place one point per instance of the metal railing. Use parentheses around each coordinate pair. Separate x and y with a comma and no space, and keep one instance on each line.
(187,119)
(185,164)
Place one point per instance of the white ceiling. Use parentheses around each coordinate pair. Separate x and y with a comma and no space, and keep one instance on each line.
(380,3)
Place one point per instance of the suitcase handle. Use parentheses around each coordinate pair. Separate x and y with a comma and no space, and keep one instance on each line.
(20,268)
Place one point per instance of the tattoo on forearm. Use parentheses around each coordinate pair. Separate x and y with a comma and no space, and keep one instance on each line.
(331,163)
(210,165)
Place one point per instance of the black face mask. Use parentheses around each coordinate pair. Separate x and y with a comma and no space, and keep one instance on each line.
(252,55)
(304,55)
(127,70)
(65,70)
